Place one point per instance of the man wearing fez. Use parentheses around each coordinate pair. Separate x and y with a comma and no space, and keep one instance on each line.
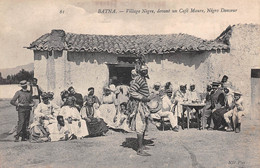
(24,103)
(139,93)
(78,96)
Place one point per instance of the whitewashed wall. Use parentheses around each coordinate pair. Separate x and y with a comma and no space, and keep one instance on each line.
(8,91)
(83,70)
(179,68)
(244,56)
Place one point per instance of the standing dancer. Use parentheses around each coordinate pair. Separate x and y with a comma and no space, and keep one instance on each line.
(139,93)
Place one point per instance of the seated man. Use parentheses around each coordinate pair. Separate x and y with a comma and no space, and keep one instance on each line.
(168,106)
(37,132)
(217,99)
(236,113)
(192,94)
(157,90)
(180,96)
(96,126)
(218,114)
(59,131)
(193,97)
(122,118)
(73,121)
(47,111)
(78,96)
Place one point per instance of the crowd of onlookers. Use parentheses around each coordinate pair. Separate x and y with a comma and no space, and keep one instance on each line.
(40,119)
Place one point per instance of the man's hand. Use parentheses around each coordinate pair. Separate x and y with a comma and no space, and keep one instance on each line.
(88,119)
(132,115)
(20,105)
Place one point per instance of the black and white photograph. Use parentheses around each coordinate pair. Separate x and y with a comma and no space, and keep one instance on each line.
(130,83)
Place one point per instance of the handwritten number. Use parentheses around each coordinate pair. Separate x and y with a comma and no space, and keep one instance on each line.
(61,11)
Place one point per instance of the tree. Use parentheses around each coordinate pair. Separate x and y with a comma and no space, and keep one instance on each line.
(15,79)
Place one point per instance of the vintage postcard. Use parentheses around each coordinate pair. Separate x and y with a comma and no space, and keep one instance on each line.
(130,83)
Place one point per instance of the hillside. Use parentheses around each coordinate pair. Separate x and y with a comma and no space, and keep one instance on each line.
(12,71)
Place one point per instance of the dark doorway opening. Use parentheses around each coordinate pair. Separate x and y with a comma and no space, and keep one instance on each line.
(120,74)
(255,93)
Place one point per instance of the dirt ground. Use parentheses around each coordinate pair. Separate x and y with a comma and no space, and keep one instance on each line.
(187,148)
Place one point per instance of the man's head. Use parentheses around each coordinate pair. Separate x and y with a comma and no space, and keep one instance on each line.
(215,86)
(237,95)
(34,81)
(226,90)
(45,98)
(168,85)
(107,90)
(183,88)
(60,120)
(144,71)
(192,87)
(209,88)
(224,79)
(157,86)
(23,84)
(91,91)
(169,92)
(71,90)
(123,106)
(64,94)
(71,100)
(50,95)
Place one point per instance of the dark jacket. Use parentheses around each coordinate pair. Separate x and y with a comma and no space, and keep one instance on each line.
(217,98)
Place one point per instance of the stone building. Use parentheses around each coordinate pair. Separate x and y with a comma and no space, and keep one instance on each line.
(64,59)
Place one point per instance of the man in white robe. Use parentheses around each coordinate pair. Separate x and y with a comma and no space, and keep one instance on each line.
(73,121)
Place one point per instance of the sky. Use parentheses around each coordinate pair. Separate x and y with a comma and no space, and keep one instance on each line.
(23,21)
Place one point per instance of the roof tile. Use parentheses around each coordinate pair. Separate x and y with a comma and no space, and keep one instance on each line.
(136,44)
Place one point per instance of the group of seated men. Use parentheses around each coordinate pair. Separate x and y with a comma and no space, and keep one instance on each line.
(223,108)
(78,117)
(51,122)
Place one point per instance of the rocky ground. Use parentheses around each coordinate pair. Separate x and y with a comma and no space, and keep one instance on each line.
(187,148)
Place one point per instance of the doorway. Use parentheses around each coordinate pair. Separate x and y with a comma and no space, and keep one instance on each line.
(255,93)
(120,74)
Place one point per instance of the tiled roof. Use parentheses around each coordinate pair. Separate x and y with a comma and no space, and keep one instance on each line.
(136,44)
